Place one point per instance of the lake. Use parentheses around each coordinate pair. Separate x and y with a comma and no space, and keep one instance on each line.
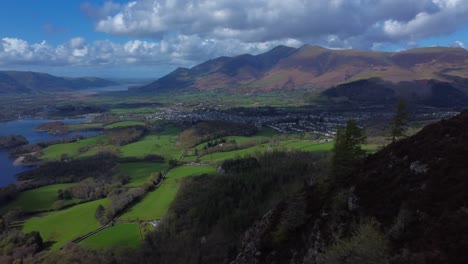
(112,88)
(26,127)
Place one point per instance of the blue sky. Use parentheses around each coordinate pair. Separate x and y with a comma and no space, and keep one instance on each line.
(149,38)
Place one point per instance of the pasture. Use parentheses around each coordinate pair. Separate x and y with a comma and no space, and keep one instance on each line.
(82,148)
(63,226)
(165,145)
(139,172)
(124,124)
(155,204)
(40,199)
(121,235)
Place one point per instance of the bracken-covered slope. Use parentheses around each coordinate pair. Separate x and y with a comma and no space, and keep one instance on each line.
(405,204)
(312,67)
(14,82)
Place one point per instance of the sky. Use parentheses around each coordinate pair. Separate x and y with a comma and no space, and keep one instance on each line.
(150,38)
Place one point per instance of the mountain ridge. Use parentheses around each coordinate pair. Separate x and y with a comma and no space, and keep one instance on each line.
(14,82)
(314,68)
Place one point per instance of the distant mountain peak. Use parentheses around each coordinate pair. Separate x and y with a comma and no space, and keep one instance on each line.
(315,68)
(12,82)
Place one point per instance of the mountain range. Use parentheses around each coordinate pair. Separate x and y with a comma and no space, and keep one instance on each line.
(14,82)
(417,73)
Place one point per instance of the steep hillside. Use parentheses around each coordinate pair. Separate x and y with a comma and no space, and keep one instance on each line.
(312,67)
(404,204)
(375,91)
(12,82)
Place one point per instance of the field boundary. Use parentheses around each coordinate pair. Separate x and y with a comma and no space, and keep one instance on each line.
(115,219)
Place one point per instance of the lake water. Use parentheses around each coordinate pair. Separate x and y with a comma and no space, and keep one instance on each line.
(113,88)
(26,127)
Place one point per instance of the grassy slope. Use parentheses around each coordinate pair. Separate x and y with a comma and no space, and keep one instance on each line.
(122,235)
(55,152)
(39,199)
(156,203)
(63,226)
(164,145)
(302,145)
(125,124)
(139,172)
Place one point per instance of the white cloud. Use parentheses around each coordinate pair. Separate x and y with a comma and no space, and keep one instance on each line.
(99,12)
(458,44)
(187,32)
(359,23)
(178,50)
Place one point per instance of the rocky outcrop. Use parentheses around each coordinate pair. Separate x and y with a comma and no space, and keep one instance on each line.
(404,204)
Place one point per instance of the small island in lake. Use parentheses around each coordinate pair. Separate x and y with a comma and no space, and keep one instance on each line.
(12,141)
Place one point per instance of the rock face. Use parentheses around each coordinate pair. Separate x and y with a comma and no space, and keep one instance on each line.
(404,204)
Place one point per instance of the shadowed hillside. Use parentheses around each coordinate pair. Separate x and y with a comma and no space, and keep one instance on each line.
(12,82)
(404,204)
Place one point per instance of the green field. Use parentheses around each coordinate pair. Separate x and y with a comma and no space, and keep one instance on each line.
(83,148)
(124,124)
(308,146)
(302,145)
(155,204)
(139,172)
(63,226)
(40,199)
(165,145)
(122,235)
(220,156)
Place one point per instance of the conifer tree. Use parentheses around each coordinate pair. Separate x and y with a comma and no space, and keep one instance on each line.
(346,150)
(399,120)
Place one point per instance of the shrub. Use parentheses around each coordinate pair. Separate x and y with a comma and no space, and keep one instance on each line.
(367,245)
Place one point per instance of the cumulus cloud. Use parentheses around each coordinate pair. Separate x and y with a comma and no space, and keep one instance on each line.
(458,44)
(359,23)
(177,50)
(99,12)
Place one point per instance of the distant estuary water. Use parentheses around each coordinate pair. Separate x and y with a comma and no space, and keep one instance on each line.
(26,127)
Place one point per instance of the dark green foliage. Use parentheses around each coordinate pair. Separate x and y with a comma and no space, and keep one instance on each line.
(120,136)
(173,163)
(239,165)
(54,127)
(64,194)
(16,247)
(294,215)
(12,141)
(121,199)
(100,214)
(347,150)
(76,254)
(99,166)
(209,130)
(210,213)
(154,158)
(399,120)
(89,189)
(215,142)
(367,245)
(8,193)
